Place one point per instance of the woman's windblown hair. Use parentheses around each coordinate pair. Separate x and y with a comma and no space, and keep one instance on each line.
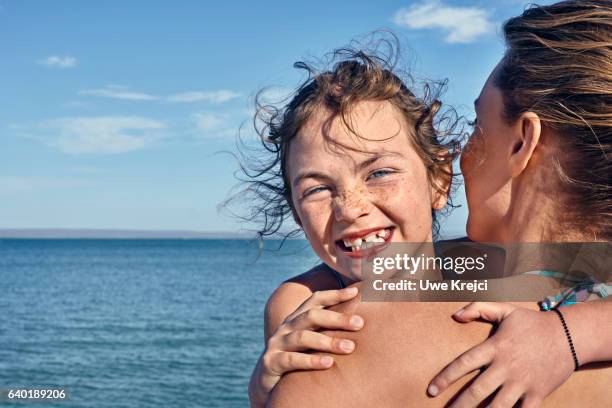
(558,64)
(356,74)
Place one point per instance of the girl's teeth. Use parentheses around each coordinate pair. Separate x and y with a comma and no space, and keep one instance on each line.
(382,234)
(374,238)
(355,245)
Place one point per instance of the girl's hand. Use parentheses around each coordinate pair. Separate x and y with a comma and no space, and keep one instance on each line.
(284,349)
(526,359)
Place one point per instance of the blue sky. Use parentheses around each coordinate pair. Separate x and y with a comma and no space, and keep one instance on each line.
(113,112)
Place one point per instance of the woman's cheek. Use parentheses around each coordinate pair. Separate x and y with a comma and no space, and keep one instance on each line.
(473,154)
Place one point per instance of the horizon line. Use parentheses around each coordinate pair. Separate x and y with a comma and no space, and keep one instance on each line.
(126,233)
(119,233)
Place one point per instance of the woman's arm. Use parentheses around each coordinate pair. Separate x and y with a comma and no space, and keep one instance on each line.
(529,355)
(590,325)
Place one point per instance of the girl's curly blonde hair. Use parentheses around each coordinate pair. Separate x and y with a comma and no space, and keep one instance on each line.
(356,75)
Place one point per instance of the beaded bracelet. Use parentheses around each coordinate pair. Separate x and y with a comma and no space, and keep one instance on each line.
(569,338)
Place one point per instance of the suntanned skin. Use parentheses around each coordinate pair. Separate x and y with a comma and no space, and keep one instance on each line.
(344,187)
(293,292)
(401,348)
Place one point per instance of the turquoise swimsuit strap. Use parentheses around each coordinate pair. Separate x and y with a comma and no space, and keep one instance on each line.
(580,290)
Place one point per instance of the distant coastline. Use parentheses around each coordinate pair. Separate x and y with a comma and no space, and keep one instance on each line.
(66,233)
(98,233)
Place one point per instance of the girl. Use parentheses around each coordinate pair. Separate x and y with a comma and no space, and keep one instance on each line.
(358,163)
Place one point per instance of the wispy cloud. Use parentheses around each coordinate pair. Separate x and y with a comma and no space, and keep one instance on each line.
(118,92)
(122,92)
(102,134)
(461,24)
(58,61)
(219,96)
(213,125)
(208,121)
(276,94)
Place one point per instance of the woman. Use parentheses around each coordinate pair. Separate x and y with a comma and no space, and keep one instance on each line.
(549,102)
(536,170)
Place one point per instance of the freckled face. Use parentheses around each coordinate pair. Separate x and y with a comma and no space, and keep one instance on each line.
(379,187)
(485,167)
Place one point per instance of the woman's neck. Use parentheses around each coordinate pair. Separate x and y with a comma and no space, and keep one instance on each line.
(537,212)
(538,228)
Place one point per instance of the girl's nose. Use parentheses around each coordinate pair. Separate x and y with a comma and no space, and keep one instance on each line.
(350,205)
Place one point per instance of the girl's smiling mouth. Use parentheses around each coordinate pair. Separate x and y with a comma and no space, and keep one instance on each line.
(365,243)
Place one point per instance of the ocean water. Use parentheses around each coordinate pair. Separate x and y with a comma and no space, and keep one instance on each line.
(137,323)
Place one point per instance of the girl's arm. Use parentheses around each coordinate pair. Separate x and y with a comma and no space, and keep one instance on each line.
(290,328)
(529,355)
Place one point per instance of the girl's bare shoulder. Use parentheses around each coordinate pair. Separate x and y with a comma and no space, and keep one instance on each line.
(300,287)
(295,291)
(320,277)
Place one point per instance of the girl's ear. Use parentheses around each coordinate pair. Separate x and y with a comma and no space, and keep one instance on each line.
(440,188)
(528,134)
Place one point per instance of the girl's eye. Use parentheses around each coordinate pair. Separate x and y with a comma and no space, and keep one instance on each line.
(380,173)
(473,122)
(314,190)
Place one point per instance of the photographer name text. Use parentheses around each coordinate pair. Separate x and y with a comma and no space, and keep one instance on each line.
(430,285)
